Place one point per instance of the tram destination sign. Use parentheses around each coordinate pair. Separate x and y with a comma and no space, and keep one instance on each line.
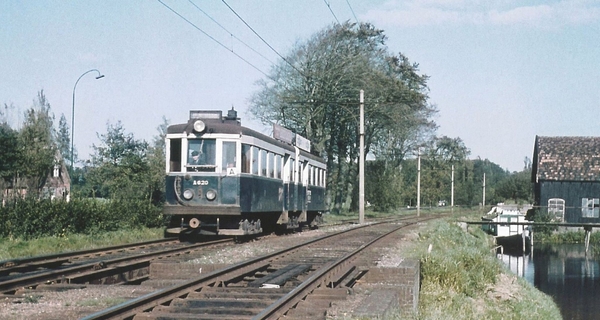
(302,143)
(282,134)
(205,114)
(285,135)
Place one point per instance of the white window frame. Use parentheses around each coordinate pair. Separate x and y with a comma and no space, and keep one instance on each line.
(590,207)
(556,209)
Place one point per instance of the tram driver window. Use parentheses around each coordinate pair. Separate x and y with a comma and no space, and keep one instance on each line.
(201,152)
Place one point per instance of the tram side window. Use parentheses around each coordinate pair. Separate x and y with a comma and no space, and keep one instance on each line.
(322,178)
(228,160)
(246,158)
(277,166)
(254,160)
(304,173)
(175,155)
(263,162)
(292,175)
(271,158)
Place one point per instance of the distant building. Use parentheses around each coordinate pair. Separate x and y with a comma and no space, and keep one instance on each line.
(56,186)
(566,177)
(58,183)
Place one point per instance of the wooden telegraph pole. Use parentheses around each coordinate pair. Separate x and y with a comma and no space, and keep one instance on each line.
(361,164)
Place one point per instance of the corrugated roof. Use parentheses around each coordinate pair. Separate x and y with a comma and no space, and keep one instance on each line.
(567,158)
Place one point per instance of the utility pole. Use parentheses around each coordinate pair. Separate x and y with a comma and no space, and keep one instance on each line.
(361,164)
(483,190)
(452,189)
(419,183)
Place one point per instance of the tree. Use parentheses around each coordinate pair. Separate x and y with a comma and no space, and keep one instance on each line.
(63,139)
(314,92)
(9,157)
(517,186)
(439,155)
(37,147)
(119,167)
(156,164)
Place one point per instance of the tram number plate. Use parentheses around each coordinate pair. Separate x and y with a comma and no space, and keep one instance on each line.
(200,182)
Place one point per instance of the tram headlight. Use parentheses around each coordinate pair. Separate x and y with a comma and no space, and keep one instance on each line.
(211,195)
(199,126)
(188,194)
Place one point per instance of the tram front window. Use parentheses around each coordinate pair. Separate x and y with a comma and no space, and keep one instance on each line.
(202,154)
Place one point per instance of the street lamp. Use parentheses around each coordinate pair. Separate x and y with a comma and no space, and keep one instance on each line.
(73,111)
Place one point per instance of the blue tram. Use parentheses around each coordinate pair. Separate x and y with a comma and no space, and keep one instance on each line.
(226,179)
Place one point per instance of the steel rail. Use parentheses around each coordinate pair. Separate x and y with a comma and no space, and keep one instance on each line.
(13,263)
(285,303)
(33,280)
(149,301)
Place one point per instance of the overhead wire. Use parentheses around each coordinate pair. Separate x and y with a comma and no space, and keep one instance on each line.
(260,37)
(222,27)
(330,10)
(263,40)
(355,18)
(212,38)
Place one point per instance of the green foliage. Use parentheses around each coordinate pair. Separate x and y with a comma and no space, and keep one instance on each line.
(316,90)
(36,143)
(459,262)
(19,247)
(383,186)
(517,186)
(32,298)
(541,215)
(460,280)
(30,218)
(10,154)
(119,167)
(63,140)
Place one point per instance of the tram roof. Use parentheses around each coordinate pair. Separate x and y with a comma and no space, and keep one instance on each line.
(234,127)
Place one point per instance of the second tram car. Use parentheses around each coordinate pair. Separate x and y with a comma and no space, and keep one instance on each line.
(226,179)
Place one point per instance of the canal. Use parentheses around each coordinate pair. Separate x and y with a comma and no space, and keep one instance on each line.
(564,272)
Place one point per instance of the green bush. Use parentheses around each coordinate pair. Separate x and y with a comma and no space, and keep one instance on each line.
(30,218)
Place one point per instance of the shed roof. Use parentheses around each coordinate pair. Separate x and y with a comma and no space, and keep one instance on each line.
(566,159)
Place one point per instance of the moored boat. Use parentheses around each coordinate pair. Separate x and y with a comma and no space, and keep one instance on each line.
(512,237)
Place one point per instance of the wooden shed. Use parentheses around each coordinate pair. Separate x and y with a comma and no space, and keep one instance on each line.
(566,177)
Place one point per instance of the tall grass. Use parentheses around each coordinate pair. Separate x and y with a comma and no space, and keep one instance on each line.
(460,279)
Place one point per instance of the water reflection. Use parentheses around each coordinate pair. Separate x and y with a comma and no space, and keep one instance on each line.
(564,272)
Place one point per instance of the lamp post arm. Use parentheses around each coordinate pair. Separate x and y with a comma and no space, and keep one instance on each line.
(100,75)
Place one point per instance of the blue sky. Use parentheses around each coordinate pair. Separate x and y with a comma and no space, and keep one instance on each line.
(501,72)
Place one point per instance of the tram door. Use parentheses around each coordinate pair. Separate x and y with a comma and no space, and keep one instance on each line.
(290,184)
(293,185)
(229,173)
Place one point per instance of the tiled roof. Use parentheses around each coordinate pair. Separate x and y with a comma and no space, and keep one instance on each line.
(567,158)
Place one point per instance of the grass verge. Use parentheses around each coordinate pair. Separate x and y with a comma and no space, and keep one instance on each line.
(18,248)
(462,279)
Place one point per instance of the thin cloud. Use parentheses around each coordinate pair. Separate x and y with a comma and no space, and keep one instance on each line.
(478,12)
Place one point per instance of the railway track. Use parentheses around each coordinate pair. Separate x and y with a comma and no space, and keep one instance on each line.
(29,264)
(99,266)
(297,282)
